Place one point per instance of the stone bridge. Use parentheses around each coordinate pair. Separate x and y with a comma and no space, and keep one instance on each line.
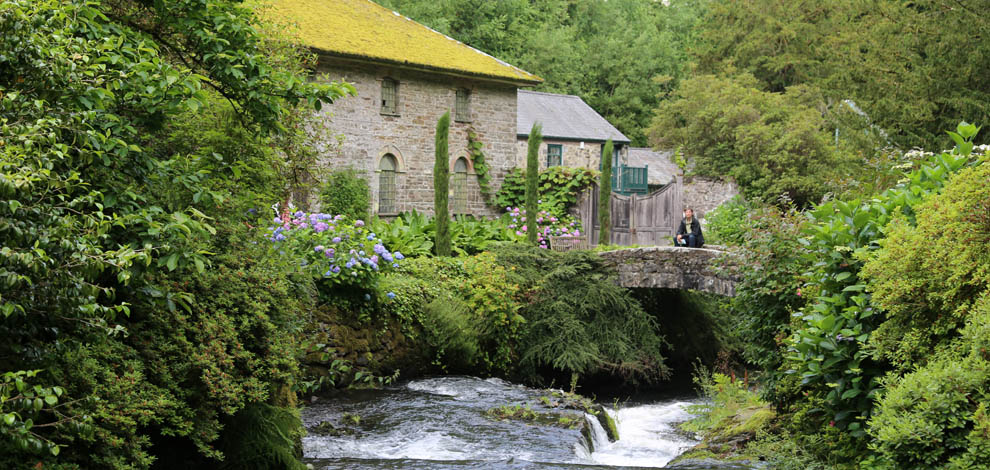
(672,267)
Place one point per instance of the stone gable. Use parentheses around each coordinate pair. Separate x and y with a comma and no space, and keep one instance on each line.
(409,135)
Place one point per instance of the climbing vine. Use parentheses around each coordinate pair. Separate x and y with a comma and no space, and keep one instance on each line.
(480,166)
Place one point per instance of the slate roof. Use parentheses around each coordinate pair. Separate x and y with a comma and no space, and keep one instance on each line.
(364,30)
(661,169)
(563,117)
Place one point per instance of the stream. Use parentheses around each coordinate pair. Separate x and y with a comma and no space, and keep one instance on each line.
(439,423)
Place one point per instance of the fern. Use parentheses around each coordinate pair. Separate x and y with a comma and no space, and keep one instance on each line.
(262,437)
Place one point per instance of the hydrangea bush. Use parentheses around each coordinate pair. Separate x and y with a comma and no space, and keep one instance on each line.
(547,225)
(332,248)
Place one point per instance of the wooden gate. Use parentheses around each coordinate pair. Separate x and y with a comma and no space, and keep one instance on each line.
(636,220)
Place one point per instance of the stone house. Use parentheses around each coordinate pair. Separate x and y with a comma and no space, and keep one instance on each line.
(407,76)
(574,135)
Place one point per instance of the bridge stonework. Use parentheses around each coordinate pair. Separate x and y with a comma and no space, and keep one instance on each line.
(671,267)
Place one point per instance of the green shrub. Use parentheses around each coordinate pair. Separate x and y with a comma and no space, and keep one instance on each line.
(937,416)
(559,188)
(346,193)
(441,179)
(491,317)
(451,328)
(532,178)
(727,224)
(578,320)
(828,347)
(767,295)
(605,196)
(927,276)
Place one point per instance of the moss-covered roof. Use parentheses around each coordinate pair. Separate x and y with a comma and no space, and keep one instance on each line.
(365,30)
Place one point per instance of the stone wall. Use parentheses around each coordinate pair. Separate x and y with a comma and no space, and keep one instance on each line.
(409,134)
(574,155)
(704,195)
(668,267)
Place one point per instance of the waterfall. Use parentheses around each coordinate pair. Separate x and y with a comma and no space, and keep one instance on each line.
(595,437)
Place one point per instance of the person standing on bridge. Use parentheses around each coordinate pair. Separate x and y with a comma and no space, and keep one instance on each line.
(689,232)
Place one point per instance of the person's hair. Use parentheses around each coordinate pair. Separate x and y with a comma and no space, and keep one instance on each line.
(689,209)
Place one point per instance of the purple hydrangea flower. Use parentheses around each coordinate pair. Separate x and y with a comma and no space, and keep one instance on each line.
(318,248)
(390,295)
(398,256)
(336,240)
(359,223)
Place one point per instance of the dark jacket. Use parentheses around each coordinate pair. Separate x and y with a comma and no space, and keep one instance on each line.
(695,229)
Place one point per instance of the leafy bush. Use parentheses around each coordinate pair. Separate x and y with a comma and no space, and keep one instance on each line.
(332,249)
(828,348)
(769,143)
(547,225)
(926,277)
(559,188)
(938,416)
(346,193)
(489,319)
(579,321)
(412,233)
(769,286)
(727,224)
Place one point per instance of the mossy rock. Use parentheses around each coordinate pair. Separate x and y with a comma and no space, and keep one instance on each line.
(605,419)
(530,416)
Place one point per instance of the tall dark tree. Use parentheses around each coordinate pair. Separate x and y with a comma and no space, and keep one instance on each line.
(532,178)
(605,195)
(441,175)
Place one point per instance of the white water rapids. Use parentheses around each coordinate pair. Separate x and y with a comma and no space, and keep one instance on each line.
(439,423)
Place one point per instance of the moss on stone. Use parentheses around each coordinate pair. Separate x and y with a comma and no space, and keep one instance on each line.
(363,29)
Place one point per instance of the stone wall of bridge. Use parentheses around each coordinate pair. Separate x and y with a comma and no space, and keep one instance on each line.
(671,267)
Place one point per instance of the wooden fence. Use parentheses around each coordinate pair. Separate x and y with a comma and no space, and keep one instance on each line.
(636,220)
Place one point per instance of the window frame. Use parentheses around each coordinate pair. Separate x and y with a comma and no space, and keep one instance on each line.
(559,154)
(459,187)
(393,84)
(462,113)
(388,185)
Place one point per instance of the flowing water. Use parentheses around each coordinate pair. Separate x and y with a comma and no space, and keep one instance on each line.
(439,423)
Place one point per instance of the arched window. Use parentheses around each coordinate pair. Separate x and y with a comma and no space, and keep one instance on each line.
(386,185)
(459,186)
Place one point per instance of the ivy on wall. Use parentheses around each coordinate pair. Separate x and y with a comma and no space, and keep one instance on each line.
(480,166)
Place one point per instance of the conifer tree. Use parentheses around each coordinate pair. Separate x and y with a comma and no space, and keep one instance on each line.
(532,177)
(605,195)
(441,175)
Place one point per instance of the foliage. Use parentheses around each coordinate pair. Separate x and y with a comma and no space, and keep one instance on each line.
(412,233)
(911,68)
(108,230)
(620,56)
(465,305)
(480,166)
(408,233)
(731,407)
(333,250)
(578,320)
(262,437)
(936,416)
(726,225)
(346,193)
(441,177)
(559,188)
(769,143)
(605,195)
(926,274)
(547,226)
(532,171)
(769,287)
(827,349)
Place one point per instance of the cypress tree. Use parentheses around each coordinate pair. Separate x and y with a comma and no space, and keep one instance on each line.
(605,195)
(441,175)
(532,177)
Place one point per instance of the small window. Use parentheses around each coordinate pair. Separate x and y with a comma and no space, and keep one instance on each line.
(390,96)
(386,185)
(459,186)
(462,110)
(555,155)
